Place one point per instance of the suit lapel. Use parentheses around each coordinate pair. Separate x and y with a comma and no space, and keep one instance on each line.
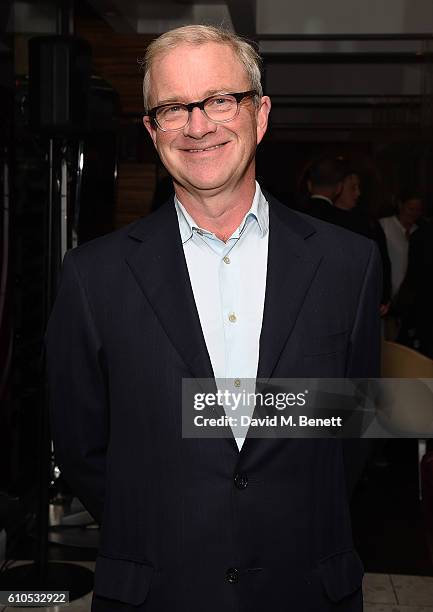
(158,264)
(290,272)
(159,267)
(291,269)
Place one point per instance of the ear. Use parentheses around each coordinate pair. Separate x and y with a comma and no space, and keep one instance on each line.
(262,117)
(148,124)
(338,190)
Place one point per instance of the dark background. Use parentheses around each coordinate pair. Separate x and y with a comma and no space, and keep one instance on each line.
(366,95)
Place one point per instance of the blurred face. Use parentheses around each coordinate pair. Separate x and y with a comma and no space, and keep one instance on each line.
(206,157)
(410,211)
(350,192)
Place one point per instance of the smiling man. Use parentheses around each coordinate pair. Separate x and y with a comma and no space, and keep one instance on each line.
(225,282)
(211,155)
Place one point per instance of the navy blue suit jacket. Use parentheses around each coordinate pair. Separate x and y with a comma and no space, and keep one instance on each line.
(180,531)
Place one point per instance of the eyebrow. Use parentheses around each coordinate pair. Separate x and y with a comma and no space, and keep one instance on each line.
(209,92)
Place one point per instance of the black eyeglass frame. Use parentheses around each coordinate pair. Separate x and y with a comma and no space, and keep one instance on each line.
(238,96)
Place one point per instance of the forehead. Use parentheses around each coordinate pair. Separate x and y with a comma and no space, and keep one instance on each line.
(352,179)
(191,72)
(414,203)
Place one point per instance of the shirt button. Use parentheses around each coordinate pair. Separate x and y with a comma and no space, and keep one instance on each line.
(226,259)
(237,382)
(232,317)
(232,575)
(241,481)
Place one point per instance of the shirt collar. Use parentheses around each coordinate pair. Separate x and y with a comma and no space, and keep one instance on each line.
(403,230)
(317,196)
(259,212)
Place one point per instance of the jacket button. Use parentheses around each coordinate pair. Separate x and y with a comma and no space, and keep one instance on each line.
(241,481)
(232,575)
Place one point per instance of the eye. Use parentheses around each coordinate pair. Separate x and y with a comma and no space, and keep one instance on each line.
(170,112)
(220,103)
(176,108)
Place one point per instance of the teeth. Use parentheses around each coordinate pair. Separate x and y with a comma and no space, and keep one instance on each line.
(206,149)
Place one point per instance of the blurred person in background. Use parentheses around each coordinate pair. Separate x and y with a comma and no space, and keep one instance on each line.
(398,230)
(350,192)
(325,182)
(359,221)
(416,292)
(335,188)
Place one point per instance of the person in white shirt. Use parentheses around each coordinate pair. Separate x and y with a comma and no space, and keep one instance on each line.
(398,228)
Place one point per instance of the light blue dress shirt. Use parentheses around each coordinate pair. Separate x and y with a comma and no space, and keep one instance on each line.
(229,281)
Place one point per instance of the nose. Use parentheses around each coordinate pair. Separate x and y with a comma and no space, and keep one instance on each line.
(198,125)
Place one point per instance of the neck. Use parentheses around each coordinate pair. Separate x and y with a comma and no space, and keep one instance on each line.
(405,222)
(328,196)
(218,211)
(342,205)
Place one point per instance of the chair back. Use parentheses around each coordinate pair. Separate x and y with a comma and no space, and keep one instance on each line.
(400,361)
(406,405)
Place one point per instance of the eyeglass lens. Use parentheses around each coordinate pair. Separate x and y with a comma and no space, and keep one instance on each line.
(218,108)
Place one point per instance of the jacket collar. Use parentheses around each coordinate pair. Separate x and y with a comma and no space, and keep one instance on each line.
(157,261)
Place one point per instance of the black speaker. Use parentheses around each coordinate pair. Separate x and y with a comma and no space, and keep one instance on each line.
(59,83)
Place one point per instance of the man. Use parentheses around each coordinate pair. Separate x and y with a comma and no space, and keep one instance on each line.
(398,229)
(350,192)
(419,287)
(325,178)
(357,220)
(334,189)
(223,282)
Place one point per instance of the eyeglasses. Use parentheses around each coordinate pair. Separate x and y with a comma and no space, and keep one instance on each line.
(219,108)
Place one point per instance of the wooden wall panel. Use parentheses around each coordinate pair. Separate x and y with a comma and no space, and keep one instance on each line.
(135,188)
(116,59)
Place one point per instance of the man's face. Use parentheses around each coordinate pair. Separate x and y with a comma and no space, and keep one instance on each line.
(351,191)
(411,210)
(205,156)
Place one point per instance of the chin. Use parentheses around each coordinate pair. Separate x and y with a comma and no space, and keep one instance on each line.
(206,182)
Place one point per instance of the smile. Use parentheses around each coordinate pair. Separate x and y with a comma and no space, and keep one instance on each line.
(218,146)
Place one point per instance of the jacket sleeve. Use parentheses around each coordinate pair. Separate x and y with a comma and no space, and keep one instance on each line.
(365,339)
(364,360)
(77,386)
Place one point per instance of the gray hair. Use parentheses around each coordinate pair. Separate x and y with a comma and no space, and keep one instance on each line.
(199,35)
